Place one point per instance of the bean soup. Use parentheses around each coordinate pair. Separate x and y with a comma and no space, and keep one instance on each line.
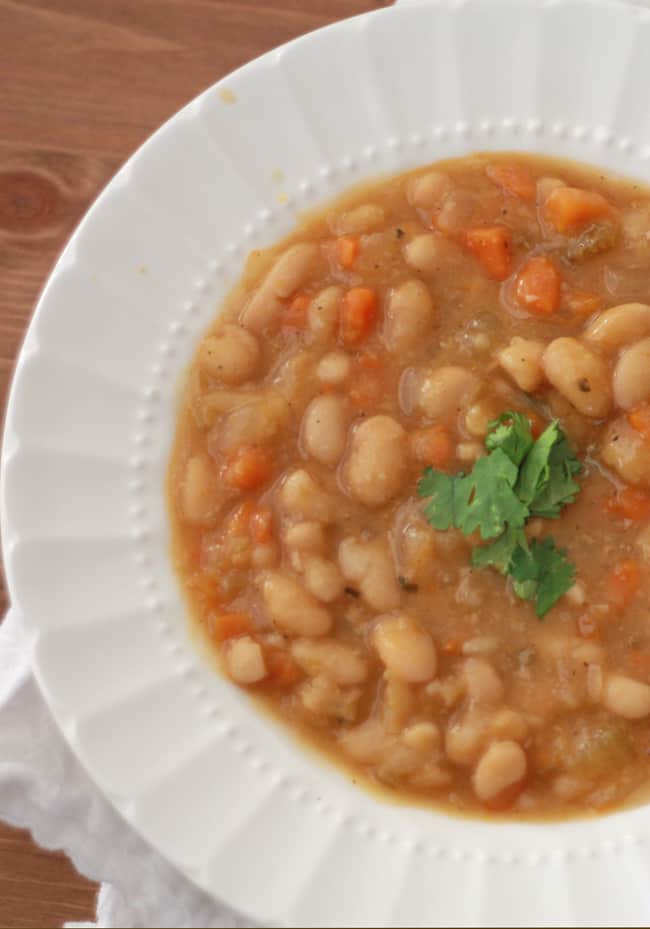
(410,485)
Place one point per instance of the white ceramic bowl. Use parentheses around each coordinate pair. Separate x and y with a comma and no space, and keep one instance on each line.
(221,791)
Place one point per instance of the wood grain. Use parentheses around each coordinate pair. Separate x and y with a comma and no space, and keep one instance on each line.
(82,84)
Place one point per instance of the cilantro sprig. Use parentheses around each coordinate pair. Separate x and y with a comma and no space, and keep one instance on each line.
(520,477)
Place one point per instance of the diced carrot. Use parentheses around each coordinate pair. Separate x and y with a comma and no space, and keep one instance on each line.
(580,303)
(294,315)
(282,670)
(432,446)
(224,626)
(623,582)
(568,208)
(261,525)
(358,314)
(630,503)
(492,246)
(249,468)
(348,248)
(587,626)
(639,419)
(538,286)
(513,179)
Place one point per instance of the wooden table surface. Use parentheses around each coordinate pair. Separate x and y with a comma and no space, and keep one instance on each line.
(82,84)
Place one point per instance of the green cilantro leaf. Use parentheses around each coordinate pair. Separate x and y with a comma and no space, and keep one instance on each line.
(542,572)
(498,554)
(546,482)
(511,433)
(486,500)
(517,479)
(439,487)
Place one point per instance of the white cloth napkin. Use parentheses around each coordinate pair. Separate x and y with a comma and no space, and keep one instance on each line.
(44,788)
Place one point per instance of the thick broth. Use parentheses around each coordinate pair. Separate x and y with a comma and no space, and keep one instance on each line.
(333,377)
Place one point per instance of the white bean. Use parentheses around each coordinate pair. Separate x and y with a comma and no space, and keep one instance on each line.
(625,451)
(409,316)
(625,697)
(376,466)
(334,368)
(199,491)
(464,738)
(508,724)
(428,190)
(360,219)
(245,661)
(254,423)
(369,564)
(579,375)
(305,537)
(342,663)
(483,683)
(231,355)
(324,428)
(323,313)
(322,578)
(502,765)
(292,269)
(632,376)
(576,595)
(428,252)
(406,649)
(479,416)
(469,451)
(292,609)
(522,360)
(289,272)
(423,736)
(302,498)
(619,326)
(443,392)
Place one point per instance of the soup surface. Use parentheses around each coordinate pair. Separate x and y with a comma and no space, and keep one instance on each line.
(410,487)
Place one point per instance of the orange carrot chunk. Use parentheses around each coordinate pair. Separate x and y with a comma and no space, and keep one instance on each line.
(225,626)
(249,468)
(492,246)
(639,419)
(432,446)
(538,286)
(630,503)
(348,248)
(358,315)
(568,208)
(513,179)
(623,582)
(294,315)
